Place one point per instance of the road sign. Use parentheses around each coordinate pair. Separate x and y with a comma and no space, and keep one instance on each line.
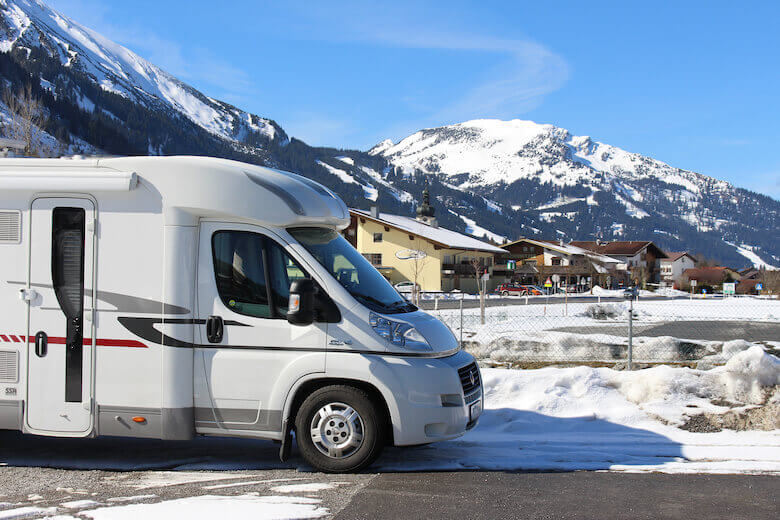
(556,278)
(511,264)
(485,276)
(548,283)
(759,287)
(729,288)
(693,283)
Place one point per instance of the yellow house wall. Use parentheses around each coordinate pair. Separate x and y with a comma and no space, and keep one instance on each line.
(428,269)
(429,276)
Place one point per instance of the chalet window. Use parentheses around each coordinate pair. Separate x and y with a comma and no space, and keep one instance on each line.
(447,259)
(556,260)
(377,237)
(411,237)
(374,258)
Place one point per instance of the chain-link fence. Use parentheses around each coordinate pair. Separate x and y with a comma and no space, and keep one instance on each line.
(673,328)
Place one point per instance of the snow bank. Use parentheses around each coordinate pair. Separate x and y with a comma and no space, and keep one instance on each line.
(601,419)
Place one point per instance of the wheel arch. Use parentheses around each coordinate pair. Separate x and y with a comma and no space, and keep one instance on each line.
(306,387)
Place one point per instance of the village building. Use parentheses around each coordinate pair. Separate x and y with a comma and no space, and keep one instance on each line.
(531,261)
(642,258)
(708,279)
(451,259)
(673,266)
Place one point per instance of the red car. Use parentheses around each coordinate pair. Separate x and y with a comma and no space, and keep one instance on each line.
(506,289)
(513,289)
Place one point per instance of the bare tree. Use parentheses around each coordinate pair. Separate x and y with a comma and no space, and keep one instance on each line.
(418,264)
(479,268)
(770,279)
(27,120)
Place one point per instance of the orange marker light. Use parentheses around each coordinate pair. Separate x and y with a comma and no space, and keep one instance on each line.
(139,420)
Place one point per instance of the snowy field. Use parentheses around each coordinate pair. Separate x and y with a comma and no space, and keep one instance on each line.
(593,332)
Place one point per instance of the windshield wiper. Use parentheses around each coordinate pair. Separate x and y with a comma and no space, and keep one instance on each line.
(379,303)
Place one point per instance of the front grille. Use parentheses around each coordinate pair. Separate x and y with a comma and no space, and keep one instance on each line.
(469,379)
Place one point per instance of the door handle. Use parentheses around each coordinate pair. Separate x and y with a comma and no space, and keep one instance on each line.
(215,329)
(41,344)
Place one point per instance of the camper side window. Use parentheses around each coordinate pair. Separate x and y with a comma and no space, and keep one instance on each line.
(252,270)
(240,272)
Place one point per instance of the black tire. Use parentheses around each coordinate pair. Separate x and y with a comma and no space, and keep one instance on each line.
(372,422)
(504,293)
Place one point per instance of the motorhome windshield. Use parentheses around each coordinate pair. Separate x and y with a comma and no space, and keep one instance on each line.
(352,270)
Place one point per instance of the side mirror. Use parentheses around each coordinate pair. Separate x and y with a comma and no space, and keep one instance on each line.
(301,306)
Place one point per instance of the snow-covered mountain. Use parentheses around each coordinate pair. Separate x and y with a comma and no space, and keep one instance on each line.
(32,24)
(493,179)
(544,179)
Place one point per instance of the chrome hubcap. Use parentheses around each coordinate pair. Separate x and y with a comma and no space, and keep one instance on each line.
(337,430)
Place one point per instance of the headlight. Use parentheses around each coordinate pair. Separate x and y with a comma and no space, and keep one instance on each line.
(397,333)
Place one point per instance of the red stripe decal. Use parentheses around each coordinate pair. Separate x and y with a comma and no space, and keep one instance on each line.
(127,343)
(5,338)
(16,339)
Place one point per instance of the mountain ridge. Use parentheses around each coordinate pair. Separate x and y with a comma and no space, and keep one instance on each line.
(491,178)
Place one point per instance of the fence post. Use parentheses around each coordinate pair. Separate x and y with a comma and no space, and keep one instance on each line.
(436,303)
(631,334)
(461,322)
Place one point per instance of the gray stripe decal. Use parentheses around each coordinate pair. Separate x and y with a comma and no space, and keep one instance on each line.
(240,418)
(125,302)
(144,328)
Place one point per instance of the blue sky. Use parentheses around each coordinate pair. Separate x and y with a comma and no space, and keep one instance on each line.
(694,85)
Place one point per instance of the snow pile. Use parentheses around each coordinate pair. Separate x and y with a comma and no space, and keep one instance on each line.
(748,373)
(598,418)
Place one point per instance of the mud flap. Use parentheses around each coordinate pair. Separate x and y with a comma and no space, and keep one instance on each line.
(286,447)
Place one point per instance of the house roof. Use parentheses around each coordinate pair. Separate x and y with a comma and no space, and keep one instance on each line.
(440,236)
(713,274)
(567,249)
(673,257)
(619,247)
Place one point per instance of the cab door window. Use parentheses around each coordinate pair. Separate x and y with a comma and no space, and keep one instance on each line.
(253,274)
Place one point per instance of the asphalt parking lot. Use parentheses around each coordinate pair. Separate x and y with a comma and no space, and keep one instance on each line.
(42,477)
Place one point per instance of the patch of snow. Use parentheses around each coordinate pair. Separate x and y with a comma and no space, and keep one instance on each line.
(341,174)
(346,160)
(473,229)
(313,487)
(156,479)
(78,504)
(747,251)
(19,513)
(381,148)
(208,507)
(559,201)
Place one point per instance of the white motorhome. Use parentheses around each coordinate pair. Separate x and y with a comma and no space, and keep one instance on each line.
(168,297)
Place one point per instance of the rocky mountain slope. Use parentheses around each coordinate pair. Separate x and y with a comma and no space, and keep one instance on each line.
(497,179)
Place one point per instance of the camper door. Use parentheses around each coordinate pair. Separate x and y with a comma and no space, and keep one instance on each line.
(60,334)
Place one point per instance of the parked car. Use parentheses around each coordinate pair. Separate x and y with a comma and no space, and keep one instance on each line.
(513,289)
(535,290)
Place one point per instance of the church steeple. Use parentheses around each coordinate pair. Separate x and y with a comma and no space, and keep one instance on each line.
(426,212)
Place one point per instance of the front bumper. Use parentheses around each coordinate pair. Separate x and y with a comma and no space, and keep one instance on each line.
(418,386)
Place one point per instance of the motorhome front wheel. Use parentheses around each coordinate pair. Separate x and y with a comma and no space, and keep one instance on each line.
(339,429)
